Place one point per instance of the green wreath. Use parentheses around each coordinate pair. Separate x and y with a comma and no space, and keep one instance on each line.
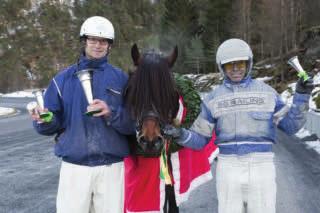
(191,100)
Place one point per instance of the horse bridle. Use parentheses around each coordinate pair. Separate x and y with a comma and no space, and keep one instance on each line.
(150,147)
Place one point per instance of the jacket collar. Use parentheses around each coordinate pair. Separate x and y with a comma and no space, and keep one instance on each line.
(243,83)
(95,64)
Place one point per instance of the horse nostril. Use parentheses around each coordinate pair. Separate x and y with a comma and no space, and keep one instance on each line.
(146,139)
(149,138)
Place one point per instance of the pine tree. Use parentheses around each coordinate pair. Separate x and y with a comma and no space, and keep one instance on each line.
(217,24)
(13,31)
(194,57)
(57,45)
(178,27)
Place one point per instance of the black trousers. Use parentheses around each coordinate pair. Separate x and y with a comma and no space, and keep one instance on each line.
(170,205)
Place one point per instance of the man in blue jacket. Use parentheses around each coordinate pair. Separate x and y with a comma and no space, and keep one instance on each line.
(92,148)
(244,114)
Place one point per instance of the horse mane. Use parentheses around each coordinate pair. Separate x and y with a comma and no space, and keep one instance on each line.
(152,87)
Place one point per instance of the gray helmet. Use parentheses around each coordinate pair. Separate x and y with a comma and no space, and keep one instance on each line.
(234,50)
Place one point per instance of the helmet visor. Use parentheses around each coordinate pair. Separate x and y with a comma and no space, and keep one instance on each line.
(237,64)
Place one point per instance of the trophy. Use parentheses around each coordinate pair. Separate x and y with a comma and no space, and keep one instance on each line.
(31,106)
(46,116)
(85,78)
(38,94)
(294,62)
(43,115)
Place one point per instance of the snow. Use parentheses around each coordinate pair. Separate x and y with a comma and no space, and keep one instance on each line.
(265,79)
(312,144)
(303,133)
(316,78)
(20,94)
(6,111)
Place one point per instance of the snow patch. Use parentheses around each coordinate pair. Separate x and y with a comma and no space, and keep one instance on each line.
(6,111)
(264,79)
(314,145)
(302,133)
(20,94)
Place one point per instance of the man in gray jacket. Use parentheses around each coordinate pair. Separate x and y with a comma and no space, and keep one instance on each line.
(244,114)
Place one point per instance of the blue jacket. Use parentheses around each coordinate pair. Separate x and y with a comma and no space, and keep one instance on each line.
(244,117)
(88,140)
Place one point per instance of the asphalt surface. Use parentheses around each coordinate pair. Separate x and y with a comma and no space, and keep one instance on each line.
(29,171)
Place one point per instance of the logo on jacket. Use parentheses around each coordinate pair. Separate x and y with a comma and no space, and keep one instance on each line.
(241,101)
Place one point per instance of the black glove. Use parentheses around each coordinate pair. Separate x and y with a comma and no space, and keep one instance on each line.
(172,132)
(304,87)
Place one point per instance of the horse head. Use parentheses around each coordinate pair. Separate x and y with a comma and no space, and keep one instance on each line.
(151,94)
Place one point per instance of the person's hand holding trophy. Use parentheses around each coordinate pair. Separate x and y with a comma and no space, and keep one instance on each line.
(37,110)
(96,107)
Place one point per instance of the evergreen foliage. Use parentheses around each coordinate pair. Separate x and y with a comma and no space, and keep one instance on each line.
(194,55)
(191,99)
(180,24)
(42,37)
(216,24)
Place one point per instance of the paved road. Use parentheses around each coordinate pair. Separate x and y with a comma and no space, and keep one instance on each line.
(29,172)
(28,169)
(298,181)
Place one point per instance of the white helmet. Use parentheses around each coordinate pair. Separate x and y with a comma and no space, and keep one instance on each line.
(97,26)
(234,50)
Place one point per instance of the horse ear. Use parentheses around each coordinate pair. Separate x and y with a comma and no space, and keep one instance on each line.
(135,55)
(173,57)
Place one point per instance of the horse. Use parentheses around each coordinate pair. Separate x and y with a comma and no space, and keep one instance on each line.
(154,179)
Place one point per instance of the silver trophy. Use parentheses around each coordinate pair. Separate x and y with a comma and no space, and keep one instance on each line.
(85,77)
(294,62)
(31,106)
(39,96)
